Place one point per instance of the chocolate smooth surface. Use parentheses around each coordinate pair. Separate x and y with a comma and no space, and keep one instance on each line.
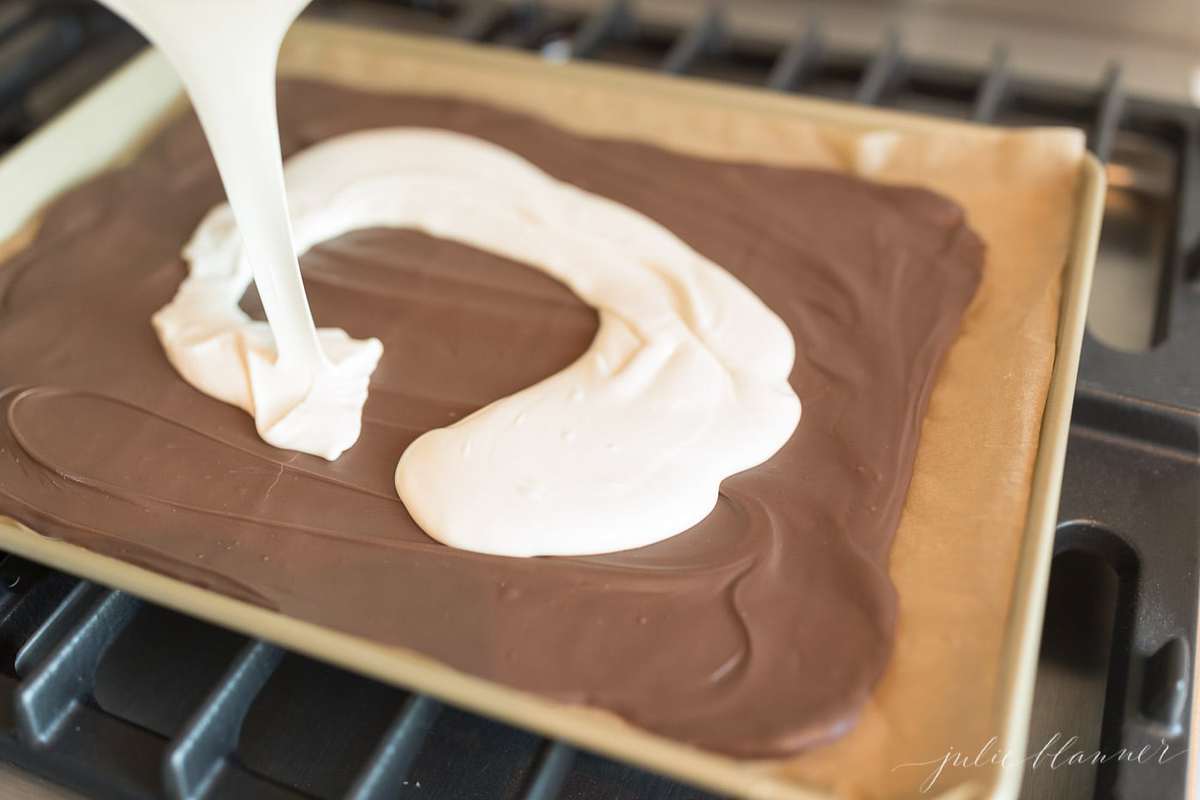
(757,633)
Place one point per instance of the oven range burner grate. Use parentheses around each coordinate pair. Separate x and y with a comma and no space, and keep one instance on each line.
(121,699)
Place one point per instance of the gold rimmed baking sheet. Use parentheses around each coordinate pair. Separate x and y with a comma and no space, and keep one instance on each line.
(971,557)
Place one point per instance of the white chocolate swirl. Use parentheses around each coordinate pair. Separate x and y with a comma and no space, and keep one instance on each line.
(685,384)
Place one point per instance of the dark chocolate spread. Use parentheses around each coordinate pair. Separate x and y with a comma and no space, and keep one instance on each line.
(757,633)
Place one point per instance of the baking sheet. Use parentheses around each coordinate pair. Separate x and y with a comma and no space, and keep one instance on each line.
(972,553)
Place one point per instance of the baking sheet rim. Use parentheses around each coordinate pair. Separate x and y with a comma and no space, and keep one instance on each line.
(145,90)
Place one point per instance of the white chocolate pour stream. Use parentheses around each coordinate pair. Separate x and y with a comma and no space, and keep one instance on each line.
(307,388)
(685,384)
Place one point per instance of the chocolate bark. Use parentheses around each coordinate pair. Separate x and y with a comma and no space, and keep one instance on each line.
(757,633)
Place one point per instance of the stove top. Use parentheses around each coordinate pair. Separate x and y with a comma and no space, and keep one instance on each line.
(121,699)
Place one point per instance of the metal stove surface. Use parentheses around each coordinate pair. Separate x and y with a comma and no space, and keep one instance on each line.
(121,699)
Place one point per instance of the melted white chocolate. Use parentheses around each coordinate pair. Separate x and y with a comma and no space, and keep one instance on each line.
(685,383)
(305,388)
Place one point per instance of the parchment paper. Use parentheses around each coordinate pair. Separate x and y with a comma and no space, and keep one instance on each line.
(955,556)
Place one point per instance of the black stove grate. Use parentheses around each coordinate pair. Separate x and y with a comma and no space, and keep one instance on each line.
(122,699)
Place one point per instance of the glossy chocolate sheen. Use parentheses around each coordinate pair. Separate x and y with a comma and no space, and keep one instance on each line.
(757,633)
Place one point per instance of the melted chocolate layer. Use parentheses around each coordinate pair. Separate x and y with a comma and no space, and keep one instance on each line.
(757,633)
